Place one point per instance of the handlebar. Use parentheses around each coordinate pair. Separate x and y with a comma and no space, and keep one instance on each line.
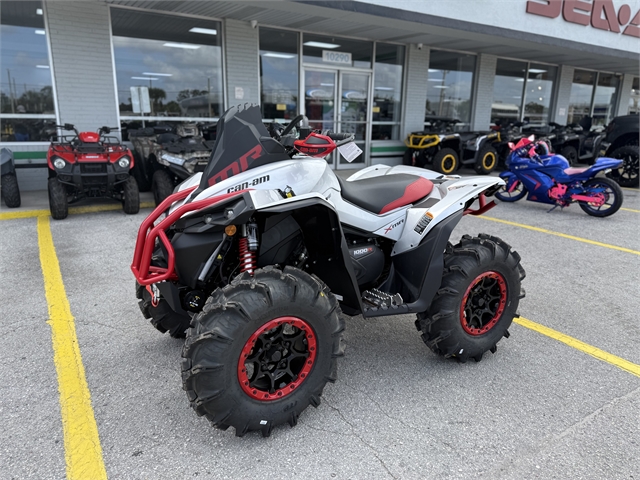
(294,122)
(338,137)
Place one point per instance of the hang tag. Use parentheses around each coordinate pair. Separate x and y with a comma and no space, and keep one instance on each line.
(350,151)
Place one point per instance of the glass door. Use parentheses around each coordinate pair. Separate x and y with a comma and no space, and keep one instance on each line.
(320,87)
(339,101)
(353,114)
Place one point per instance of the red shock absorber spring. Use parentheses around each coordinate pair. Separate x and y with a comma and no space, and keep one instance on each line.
(247,257)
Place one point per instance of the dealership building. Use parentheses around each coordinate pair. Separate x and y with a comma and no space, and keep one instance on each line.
(376,68)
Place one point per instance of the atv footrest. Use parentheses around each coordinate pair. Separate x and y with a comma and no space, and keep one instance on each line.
(377,298)
(378,304)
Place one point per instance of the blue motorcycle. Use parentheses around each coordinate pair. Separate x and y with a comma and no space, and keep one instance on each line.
(548,178)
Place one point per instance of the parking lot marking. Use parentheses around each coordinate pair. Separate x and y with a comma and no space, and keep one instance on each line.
(558,234)
(83,453)
(72,211)
(578,345)
(629,210)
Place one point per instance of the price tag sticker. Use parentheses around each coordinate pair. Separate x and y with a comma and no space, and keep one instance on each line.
(350,151)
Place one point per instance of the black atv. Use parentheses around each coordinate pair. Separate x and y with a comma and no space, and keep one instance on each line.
(578,143)
(167,155)
(622,142)
(441,148)
(10,190)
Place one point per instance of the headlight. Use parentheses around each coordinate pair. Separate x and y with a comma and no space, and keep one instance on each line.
(172,159)
(59,163)
(124,162)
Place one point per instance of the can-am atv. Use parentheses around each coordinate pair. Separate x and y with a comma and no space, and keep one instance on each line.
(167,155)
(443,150)
(10,189)
(259,254)
(576,142)
(89,164)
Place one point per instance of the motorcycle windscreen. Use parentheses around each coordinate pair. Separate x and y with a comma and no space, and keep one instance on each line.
(242,143)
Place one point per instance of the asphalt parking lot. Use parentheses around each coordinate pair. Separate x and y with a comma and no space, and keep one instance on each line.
(559,403)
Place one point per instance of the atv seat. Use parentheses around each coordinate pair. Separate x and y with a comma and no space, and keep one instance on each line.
(382,194)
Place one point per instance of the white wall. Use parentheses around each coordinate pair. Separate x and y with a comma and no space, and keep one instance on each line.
(83,70)
(512,15)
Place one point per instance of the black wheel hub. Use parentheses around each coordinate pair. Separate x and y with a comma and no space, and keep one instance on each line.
(277,358)
(483,303)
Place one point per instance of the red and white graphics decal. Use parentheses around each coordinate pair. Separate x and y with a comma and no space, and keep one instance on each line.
(600,14)
(239,166)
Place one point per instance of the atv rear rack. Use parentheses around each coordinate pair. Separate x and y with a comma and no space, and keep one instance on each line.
(145,273)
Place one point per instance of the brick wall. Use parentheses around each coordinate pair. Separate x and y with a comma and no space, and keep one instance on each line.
(241,55)
(83,70)
(563,93)
(416,89)
(483,92)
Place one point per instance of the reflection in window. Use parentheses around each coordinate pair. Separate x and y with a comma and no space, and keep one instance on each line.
(634,99)
(604,100)
(387,91)
(538,93)
(26,93)
(449,85)
(336,51)
(507,91)
(581,93)
(278,73)
(178,59)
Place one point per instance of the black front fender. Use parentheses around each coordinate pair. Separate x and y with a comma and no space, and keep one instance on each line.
(326,246)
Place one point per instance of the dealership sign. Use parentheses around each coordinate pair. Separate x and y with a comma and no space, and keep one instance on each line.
(600,14)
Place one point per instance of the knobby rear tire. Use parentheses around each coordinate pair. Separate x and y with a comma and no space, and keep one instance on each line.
(221,332)
(161,185)
(445,328)
(10,190)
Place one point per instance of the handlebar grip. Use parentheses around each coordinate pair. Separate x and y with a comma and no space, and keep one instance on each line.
(339,136)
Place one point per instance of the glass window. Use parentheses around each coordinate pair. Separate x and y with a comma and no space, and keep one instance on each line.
(604,100)
(634,99)
(449,86)
(538,93)
(337,52)
(278,74)
(178,59)
(508,90)
(26,93)
(387,92)
(581,93)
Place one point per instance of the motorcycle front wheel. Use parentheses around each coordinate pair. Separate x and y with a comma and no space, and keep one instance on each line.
(611,192)
(516,193)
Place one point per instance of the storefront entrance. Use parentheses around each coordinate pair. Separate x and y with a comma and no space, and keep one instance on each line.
(339,101)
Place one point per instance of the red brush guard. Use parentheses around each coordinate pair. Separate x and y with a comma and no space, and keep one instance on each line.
(145,273)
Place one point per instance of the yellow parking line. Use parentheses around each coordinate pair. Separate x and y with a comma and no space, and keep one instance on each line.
(72,211)
(578,345)
(629,210)
(558,234)
(83,453)
(630,189)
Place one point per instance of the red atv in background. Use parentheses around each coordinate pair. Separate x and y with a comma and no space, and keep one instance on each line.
(89,164)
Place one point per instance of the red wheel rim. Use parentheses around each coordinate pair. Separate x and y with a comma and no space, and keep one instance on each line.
(277,358)
(483,303)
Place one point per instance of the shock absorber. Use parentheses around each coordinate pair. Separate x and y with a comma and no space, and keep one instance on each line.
(248,246)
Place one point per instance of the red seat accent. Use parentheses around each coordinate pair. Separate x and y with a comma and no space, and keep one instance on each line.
(413,192)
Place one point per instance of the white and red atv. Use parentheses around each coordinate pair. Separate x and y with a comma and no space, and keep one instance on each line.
(258,256)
